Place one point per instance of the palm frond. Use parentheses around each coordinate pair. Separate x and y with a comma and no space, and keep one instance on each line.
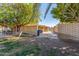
(47,10)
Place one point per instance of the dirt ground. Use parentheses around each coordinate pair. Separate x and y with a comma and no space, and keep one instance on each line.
(46,43)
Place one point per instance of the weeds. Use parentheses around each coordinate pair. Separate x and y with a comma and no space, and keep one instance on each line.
(23,49)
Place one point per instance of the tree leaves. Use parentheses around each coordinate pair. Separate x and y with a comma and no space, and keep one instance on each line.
(66,12)
(19,14)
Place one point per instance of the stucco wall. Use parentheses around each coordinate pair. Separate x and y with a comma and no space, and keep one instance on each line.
(34,28)
(28,29)
(69,31)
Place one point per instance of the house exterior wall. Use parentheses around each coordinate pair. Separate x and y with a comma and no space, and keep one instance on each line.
(33,28)
(69,31)
(43,28)
(28,28)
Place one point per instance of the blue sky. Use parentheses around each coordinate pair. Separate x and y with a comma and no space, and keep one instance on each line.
(49,20)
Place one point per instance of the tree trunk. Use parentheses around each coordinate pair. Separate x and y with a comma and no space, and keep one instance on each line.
(18,28)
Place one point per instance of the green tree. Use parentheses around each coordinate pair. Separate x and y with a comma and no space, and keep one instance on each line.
(17,15)
(66,12)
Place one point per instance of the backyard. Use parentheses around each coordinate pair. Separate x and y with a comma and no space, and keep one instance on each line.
(37,29)
(42,45)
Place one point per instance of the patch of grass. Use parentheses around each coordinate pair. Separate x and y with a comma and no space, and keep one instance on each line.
(1,40)
(9,45)
(12,45)
(23,50)
(29,50)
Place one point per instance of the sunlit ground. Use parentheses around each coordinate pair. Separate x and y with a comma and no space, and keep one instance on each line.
(37,46)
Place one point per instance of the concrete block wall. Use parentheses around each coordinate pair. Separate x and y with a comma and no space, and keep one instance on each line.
(68,31)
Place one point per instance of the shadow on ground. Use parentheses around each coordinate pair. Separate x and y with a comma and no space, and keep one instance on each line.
(44,46)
